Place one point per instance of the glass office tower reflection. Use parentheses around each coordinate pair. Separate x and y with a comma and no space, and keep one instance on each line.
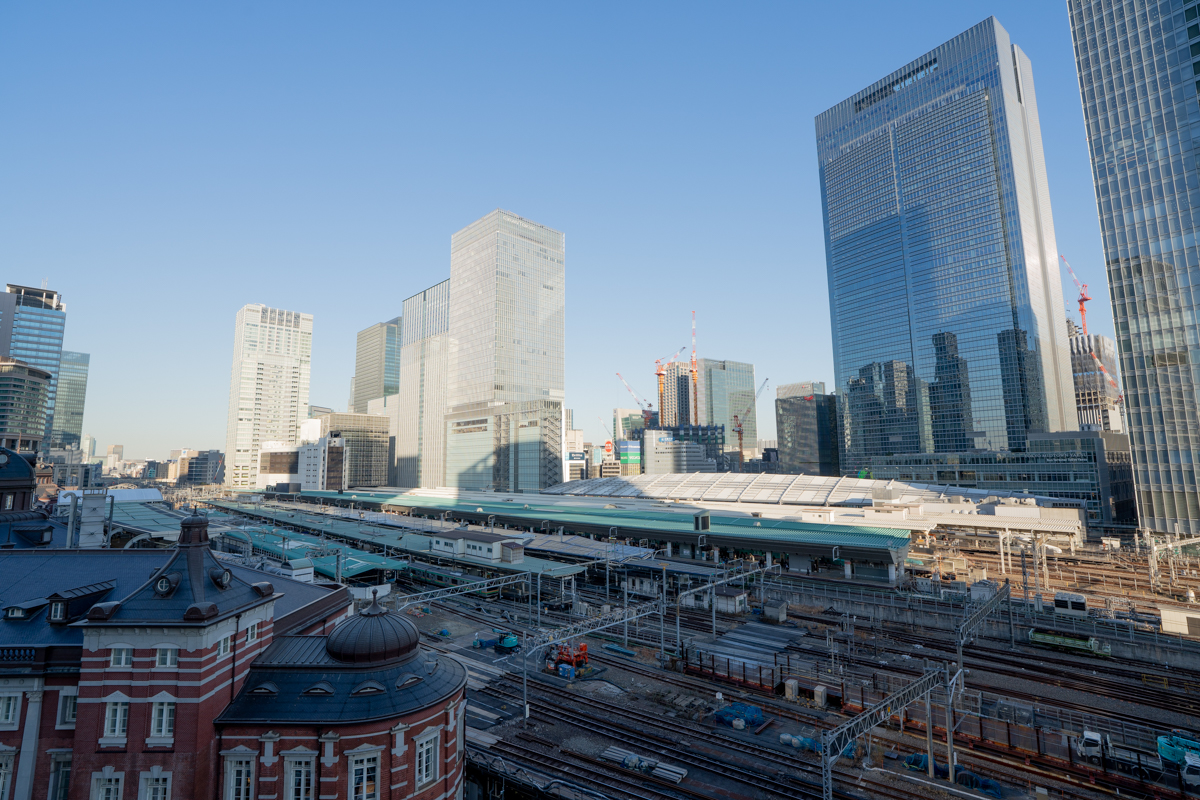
(945,300)
(1139,66)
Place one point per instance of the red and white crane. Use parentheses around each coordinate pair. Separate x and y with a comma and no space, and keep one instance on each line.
(737,423)
(1083,294)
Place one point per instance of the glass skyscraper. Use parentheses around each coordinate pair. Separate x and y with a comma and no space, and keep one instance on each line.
(376,364)
(424,331)
(268,387)
(1139,68)
(32,322)
(72,393)
(506,328)
(948,326)
(726,389)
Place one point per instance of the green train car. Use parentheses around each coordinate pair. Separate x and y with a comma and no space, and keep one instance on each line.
(1069,642)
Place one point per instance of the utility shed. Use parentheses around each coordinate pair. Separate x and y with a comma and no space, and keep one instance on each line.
(730,600)
(775,611)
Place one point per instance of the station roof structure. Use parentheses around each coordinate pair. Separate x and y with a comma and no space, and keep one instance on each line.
(292,545)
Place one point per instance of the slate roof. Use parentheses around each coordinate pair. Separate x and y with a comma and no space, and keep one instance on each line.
(293,665)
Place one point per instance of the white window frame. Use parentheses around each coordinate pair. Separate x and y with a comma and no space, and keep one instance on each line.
(68,700)
(100,782)
(10,712)
(290,790)
(166,657)
(425,760)
(117,657)
(252,632)
(244,791)
(162,720)
(56,776)
(224,646)
(58,611)
(150,781)
(6,773)
(365,762)
(116,722)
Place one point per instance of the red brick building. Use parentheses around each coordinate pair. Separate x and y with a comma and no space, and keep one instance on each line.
(166,674)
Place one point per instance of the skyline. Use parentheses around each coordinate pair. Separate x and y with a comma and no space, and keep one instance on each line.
(159,178)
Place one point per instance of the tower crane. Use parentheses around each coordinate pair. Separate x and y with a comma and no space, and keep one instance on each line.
(737,424)
(695,415)
(1083,295)
(608,446)
(648,410)
(660,369)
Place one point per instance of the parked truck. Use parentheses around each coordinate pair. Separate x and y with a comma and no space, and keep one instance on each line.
(1175,746)
(1190,770)
(1098,748)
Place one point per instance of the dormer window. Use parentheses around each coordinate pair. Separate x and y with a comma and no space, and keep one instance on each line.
(14,612)
(368,687)
(265,688)
(58,611)
(406,681)
(321,688)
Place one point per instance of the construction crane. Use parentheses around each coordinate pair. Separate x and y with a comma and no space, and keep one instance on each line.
(660,369)
(648,410)
(695,415)
(608,446)
(1109,378)
(1083,295)
(737,423)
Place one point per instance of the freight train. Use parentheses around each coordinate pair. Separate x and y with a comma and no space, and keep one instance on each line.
(1070,642)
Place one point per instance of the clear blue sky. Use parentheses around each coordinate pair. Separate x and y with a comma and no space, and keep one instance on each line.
(162,164)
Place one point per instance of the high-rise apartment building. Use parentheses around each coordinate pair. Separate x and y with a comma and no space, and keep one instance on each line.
(23,391)
(32,322)
(726,389)
(67,425)
(424,372)
(945,298)
(1138,64)
(376,364)
(268,387)
(675,405)
(506,329)
(1097,400)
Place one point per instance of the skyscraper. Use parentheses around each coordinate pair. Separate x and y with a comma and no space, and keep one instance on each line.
(506,330)
(945,300)
(22,405)
(1097,399)
(1138,65)
(726,389)
(32,322)
(424,348)
(675,405)
(67,430)
(376,364)
(268,387)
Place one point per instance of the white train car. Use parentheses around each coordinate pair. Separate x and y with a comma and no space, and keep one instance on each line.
(1070,604)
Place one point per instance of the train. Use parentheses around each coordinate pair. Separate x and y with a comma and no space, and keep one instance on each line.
(1070,642)
(440,577)
(1070,604)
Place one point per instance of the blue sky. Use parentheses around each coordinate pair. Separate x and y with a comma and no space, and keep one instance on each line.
(164,164)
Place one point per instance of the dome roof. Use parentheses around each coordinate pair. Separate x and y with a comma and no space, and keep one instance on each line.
(372,636)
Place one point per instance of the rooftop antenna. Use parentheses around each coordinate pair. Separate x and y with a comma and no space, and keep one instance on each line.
(45,283)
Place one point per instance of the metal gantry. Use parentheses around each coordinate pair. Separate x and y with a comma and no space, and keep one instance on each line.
(466,588)
(835,740)
(974,619)
(1172,546)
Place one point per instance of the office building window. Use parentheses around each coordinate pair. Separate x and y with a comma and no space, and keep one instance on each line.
(239,778)
(116,719)
(427,766)
(162,720)
(167,657)
(299,773)
(364,778)
(60,776)
(106,788)
(121,657)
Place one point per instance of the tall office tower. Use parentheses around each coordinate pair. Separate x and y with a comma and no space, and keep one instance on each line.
(424,348)
(1138,65)
(944,293)
(1097,400)
(67,430)
(675,405)
(88,445)
(726,389)
(801,389)
(376,364)
(628,423)
(23,390)
(31,330)
(808,433)
(365,437)
(268,387)
(504,403)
